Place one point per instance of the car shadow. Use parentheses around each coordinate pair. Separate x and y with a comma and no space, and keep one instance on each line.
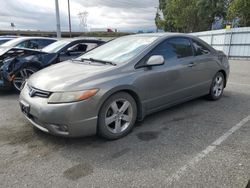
(8,93)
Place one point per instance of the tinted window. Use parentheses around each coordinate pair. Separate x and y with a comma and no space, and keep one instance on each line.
(174,48)
(164,49)
(44,42)
(32,44)
(81,47)
(200,49)
(181,47)
(3,41)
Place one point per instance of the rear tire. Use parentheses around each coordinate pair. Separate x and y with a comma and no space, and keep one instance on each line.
(217,87)
(117,116)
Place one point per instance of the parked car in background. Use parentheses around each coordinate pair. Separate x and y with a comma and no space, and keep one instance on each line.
(108,88)
(6,49)
(28,42)
(9,36)
(4,40)
(16,70)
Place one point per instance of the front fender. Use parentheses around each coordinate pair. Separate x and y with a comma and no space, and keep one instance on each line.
(125,88)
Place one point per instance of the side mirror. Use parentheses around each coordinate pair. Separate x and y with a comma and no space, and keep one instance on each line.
(155,60)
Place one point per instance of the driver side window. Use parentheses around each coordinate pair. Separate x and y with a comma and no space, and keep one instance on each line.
(78,48)
(174,48)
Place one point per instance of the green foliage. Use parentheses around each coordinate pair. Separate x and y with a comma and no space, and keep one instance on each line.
(240,9)
(208,9)
(198,15)
(158,21)
(180,15)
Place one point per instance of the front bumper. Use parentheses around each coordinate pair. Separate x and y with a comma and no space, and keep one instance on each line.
(68,119)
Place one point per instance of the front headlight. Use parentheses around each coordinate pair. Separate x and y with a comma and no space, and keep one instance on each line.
(67,97)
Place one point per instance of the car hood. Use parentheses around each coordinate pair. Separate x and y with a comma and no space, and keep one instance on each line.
(68,76)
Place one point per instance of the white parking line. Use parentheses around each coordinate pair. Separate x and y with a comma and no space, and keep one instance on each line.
(235,83)
(177,175)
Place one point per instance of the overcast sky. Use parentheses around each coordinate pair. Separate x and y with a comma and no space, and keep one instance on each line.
(125,15)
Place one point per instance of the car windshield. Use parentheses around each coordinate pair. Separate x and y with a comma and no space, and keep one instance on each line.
(120,50)
(56,46)
(13,42)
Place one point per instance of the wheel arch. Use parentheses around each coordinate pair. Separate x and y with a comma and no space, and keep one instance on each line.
(225,76)
(131,91)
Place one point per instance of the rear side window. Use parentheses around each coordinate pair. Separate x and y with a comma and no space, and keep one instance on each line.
(181,47)
(200,49)
(174,48)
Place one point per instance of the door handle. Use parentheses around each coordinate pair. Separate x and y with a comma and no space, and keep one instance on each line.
(192,64)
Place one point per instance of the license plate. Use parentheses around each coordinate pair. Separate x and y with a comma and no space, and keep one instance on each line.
(25,108)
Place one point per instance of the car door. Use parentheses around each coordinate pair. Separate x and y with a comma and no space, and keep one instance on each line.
(170,83)
(204,68)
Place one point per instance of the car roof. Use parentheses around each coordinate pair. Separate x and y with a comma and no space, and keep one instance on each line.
(163,35)
(81,39)
(24,38)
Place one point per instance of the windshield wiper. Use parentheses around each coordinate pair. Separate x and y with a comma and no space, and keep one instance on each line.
(98,61)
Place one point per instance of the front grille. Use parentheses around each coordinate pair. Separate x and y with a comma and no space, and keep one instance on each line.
(33,92)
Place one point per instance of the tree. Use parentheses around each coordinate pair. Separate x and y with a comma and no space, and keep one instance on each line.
(240,9)
(209,9)
(190,15)
(180,15)
(158,21)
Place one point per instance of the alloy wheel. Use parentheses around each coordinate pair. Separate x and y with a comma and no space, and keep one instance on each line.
(118,116)
(218,86)
(21,76)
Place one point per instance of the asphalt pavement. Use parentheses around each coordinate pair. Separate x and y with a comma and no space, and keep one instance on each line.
(196,144)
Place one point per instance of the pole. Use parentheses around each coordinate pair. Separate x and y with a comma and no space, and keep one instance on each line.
(69,19)
(58,28)
(157,13)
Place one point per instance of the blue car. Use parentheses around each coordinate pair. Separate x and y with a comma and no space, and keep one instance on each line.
(19,63)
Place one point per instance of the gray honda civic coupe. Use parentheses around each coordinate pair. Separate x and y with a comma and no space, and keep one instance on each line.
(106,90)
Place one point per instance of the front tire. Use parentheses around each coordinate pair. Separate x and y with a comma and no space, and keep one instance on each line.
(21,76)
(217,87)
(117,116)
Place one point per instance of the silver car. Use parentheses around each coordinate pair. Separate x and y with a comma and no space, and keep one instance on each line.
(109,88)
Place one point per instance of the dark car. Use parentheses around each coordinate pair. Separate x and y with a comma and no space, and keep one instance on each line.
(6,49)
(24,62)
